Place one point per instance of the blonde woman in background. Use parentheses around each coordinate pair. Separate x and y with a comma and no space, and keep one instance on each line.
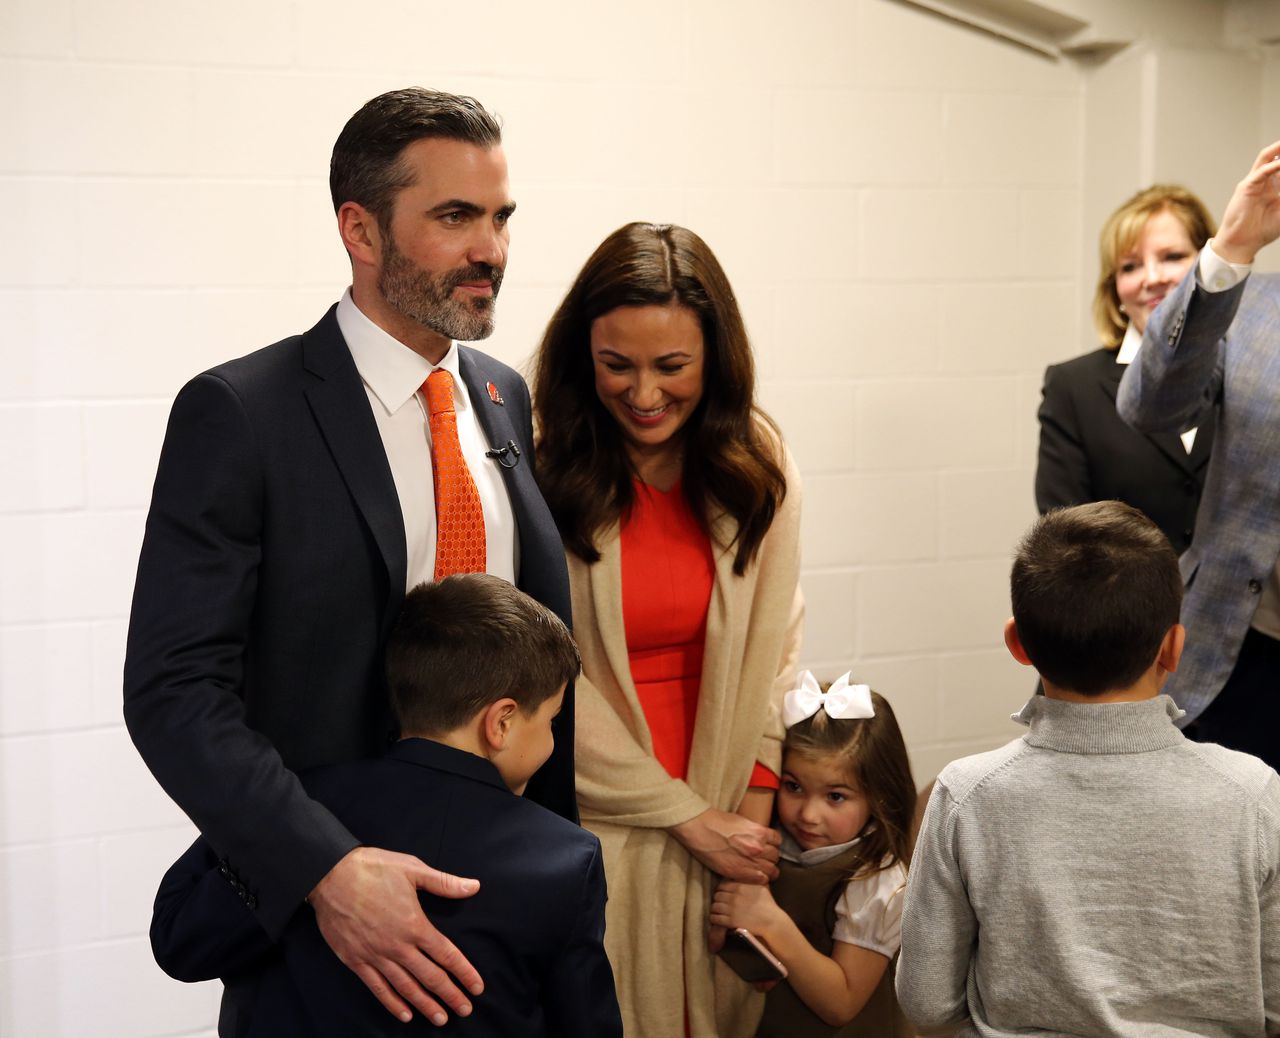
(1087,452)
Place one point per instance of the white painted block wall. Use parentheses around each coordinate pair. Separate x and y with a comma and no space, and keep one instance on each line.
(896,199)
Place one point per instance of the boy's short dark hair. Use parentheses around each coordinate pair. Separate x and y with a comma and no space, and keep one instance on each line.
(1095,589)
(468,641)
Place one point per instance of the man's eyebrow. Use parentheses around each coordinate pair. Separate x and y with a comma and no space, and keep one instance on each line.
(453,205)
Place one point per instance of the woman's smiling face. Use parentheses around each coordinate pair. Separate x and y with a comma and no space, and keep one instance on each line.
(648,364)
(1152,268)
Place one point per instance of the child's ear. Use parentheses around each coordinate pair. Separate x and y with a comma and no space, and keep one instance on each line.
(497,721)
(1171,648)
(1014,643)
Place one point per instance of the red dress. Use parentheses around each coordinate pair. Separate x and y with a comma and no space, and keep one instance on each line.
(668,573)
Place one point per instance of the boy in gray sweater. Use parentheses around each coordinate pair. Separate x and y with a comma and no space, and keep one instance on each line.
(1102,875)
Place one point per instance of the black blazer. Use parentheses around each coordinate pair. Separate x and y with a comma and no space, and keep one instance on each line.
(271,571)
(535,929)
(1088,452)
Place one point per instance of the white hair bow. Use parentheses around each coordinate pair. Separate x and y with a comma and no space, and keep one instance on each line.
(842,700)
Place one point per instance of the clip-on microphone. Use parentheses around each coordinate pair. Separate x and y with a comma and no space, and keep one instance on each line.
(503,453)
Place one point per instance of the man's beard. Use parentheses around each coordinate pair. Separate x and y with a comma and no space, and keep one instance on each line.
(430,301)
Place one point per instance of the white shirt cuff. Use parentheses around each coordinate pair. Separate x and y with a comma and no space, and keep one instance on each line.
(1216,274)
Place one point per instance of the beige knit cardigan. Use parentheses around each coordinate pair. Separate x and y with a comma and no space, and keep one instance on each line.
(658,893)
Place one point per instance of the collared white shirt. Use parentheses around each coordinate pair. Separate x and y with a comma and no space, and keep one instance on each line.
(393,375)
(1217,274)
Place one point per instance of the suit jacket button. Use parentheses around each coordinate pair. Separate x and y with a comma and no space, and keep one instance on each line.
(1255,586)
(1187,534)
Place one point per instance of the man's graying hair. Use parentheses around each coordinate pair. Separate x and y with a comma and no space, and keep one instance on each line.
(366,166)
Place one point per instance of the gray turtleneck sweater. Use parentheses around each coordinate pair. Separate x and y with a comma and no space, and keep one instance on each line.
(1101,876)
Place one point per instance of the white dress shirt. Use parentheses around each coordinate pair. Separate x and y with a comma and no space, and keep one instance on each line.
(393,375)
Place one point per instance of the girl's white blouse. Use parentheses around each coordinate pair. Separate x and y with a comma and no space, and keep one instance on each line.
(869,912)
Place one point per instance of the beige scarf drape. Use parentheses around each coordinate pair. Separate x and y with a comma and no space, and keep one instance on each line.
(659,894)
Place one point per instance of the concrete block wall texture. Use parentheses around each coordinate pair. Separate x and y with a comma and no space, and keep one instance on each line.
(897,202)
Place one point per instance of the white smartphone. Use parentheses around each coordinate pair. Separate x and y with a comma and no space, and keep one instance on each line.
(749,958)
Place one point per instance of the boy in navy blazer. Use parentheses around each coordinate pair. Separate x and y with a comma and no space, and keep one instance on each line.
(477,671)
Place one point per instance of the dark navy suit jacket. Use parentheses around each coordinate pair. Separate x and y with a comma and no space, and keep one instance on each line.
(272,569)
(535,929)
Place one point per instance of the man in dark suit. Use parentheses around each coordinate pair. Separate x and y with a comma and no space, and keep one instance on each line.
(293,507)
(535,929)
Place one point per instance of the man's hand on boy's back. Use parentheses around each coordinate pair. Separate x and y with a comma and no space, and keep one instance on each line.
(368,910)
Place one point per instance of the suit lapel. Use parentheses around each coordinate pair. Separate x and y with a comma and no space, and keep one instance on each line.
(499,432)
(341,408)
(1168,444)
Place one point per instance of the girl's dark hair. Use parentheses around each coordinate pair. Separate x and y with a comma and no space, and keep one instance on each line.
(732,457)
(876,757)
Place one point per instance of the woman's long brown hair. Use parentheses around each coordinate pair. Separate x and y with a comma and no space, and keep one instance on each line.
(732,457)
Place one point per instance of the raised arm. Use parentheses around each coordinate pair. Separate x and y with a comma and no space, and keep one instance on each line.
(1178,373)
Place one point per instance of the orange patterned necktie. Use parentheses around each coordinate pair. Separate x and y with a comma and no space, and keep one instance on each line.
(460,544)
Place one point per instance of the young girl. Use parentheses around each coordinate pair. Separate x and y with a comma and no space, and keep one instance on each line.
(833,915)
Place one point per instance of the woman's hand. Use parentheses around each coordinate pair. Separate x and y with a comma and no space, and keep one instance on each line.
(1252,217)
(730,845)
(746,905)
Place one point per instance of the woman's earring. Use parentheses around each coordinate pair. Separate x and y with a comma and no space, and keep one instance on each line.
(1122,309)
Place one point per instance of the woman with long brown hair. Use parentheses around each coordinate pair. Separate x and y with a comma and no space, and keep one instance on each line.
(679,508)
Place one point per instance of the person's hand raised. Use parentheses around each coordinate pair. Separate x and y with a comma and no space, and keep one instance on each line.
(368,911)
(1252,217)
